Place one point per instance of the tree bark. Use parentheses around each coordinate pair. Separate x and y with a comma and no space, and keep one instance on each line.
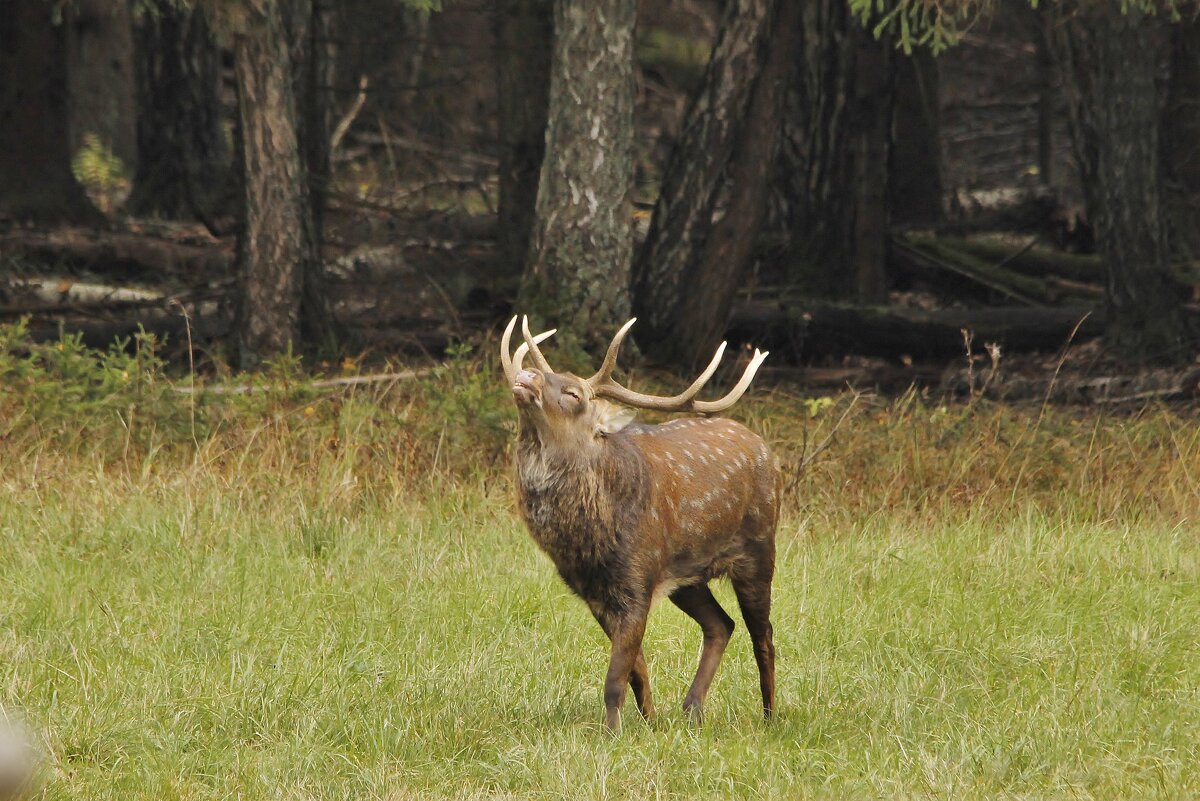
(277,245)
(312,30)
(582,243)
(1181,148)
(311,27)
(670,264)
(101,76)
(35,145)
(835,155)
(915,187)
(871,147)
(712,279)
(524,33)
(1043,21)
(1115,118)
(183,161)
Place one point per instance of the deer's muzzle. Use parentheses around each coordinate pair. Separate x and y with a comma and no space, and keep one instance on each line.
(527,387)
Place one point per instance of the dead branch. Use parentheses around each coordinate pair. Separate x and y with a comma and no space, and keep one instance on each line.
(324,383)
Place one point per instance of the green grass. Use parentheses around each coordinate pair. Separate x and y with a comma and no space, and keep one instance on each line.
(302,593)
(194,637)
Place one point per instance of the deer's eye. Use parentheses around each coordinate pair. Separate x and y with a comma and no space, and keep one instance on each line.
(570,393)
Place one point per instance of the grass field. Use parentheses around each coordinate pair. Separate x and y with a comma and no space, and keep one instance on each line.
(1000,604)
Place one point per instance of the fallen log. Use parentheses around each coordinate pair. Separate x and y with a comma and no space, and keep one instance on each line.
(169,325)
(806,331)
(119,253)
(1035,260)
(1019,209)
(323,383)
(63,297)
(1052,387)
(926,256)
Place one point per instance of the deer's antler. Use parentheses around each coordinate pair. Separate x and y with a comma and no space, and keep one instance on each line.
(603,385)
(512,364)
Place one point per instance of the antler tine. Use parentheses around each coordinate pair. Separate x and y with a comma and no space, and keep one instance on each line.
(678,403)
(532,341)
(610,358)
(506,360)
(710,407)
(523,348)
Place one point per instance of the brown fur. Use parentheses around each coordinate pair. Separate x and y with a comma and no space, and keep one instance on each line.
(631,514)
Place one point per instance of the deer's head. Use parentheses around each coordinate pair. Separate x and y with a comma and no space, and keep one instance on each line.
(569,411)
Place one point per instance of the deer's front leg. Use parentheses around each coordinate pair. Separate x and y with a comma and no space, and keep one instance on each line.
(626,633)
(639,676)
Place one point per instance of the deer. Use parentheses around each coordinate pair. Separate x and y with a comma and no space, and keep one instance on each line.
(631,512)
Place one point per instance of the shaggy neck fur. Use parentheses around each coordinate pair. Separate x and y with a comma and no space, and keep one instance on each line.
(582,501)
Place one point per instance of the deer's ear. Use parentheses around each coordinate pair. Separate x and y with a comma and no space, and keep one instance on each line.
(611,418)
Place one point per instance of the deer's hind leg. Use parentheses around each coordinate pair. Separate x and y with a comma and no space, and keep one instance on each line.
(698,603)
(752,584)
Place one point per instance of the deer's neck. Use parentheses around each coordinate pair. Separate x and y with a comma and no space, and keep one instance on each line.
(581,504)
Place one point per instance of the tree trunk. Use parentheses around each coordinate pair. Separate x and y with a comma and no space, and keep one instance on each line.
(277,245)
(1042,23)
(524,33)
(312,30)
(915,177)
(1115,114)
(1181,147)
(35,146)
(183,160)
(582,243)
(712,280)
(311,27)
(670,262)
(101,76)
(835,156)
(871,149)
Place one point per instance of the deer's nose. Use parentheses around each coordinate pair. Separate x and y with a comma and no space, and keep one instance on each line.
(527,386)
(528,378)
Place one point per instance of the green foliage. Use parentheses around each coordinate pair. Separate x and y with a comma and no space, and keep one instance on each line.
(680,57)
(938,24)
(70,395)
(456,421)
(119,405)
(466,410)
(103,175)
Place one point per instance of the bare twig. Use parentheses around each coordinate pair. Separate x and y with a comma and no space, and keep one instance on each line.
(187,322)
(1058,368)
(417,146)
(348,118)
(1014,256)
(811,457)
(968,337)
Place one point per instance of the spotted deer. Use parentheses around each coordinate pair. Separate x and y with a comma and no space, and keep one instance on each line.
(630,512)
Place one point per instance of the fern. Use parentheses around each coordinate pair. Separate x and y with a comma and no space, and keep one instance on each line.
(101,172)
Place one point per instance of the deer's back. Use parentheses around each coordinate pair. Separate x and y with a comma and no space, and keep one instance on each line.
(713,493)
